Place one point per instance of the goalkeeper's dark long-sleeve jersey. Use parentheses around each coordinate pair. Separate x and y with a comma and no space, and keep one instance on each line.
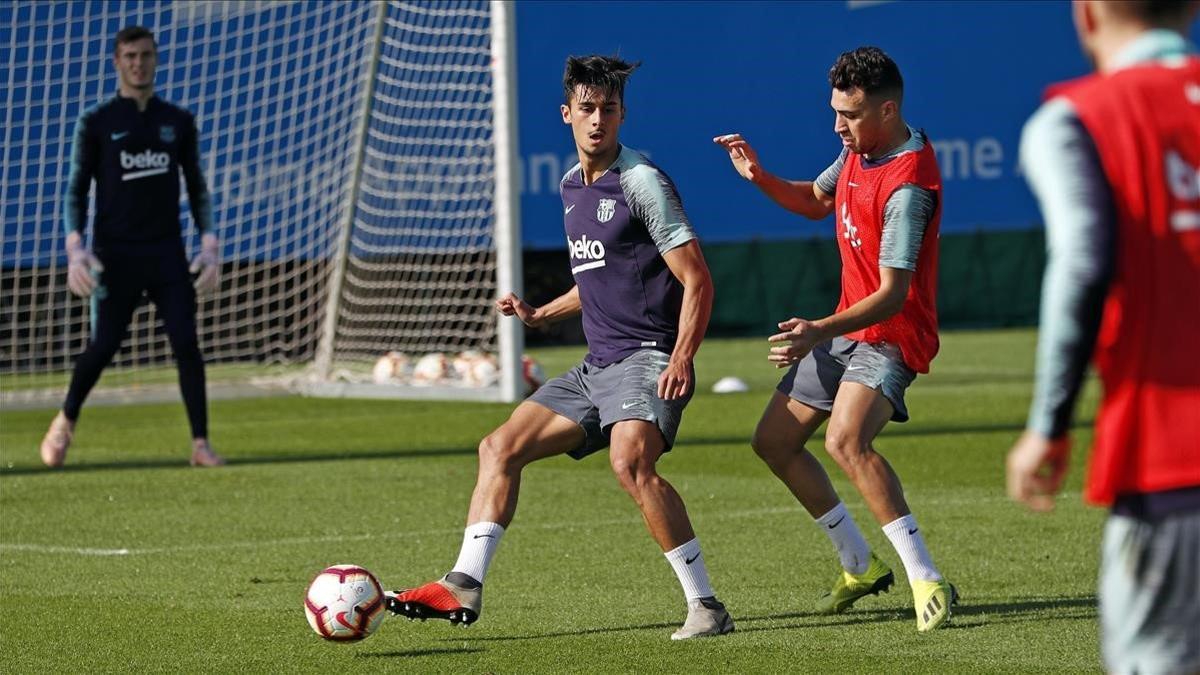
(135,158)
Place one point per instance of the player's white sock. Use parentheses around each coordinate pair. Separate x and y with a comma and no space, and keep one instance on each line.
(688,563)
(852,549)
(479,545)
(908,542)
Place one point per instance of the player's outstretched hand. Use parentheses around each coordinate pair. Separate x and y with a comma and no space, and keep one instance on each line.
(83,268)
(207,265)
(744,159)
(676,381)
(511,305)
(1036,468)
(798,338)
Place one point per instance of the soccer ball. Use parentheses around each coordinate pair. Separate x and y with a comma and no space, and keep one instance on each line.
(475,369)
(531,373)
(390,368)
(431,369)
(345,603)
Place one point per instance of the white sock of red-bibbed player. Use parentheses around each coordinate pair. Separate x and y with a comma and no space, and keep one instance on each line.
(910,545)
(852,548)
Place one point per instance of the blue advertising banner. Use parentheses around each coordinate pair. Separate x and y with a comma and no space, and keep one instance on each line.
(973,72)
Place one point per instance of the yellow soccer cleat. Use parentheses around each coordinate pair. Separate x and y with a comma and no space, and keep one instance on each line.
(848,588)
(932,600)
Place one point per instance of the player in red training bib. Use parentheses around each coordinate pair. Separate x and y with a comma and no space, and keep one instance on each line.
(853,367)
(1114,160)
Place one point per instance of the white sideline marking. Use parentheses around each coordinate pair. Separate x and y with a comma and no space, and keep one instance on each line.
(927,502)
(39,548)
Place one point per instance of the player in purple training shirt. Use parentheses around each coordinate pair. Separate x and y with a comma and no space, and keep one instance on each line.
(645,293)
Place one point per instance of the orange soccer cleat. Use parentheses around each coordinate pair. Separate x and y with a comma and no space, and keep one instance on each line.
(441,599)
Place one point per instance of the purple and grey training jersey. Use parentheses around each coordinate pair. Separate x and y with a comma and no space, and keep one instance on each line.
(618,229)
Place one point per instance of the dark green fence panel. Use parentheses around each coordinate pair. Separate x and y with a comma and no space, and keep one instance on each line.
(985,279)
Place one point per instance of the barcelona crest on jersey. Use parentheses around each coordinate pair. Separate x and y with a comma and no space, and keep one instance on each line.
(606,209)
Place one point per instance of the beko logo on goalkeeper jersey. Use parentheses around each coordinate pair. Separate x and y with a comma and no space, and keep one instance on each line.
(586,249)
(149,162)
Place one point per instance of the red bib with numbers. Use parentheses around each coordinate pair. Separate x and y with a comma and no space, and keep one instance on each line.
(1145,121)
(862,193)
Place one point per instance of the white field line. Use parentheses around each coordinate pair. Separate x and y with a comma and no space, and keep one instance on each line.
(52,549)
(39,548)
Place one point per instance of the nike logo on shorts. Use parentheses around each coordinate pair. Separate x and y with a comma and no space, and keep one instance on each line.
(568,209)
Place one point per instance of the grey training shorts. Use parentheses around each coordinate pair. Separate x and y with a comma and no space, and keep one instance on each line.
(596,398)
(814,380)
(1150,594)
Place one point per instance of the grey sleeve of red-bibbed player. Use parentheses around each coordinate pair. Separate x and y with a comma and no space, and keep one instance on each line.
(84,153)
(828,180)
(907,213)
(1063,168)
(197,189)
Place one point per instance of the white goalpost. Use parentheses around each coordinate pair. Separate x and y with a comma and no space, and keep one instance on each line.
(361,158)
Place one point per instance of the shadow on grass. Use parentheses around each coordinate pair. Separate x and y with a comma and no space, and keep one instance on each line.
(181,462)
(1079,607)
(1082,607)
(892,430)
(318,456)
(418,652)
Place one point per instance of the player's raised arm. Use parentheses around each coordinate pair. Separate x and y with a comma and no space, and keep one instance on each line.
(564,306)
(803,197)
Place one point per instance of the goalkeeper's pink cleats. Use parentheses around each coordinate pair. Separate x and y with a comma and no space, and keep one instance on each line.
(203,455)
(57,440)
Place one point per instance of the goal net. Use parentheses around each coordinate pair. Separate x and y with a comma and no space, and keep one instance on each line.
(359,157)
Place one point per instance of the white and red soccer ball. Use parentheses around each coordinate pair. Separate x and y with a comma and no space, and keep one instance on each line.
(391,368)
(471,368)
(532,374)
(344,603)
(431,369)
(474,368)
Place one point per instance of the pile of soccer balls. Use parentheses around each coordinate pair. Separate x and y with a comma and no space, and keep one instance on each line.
(471,368)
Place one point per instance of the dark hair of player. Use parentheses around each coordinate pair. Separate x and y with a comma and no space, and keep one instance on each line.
(869,69)
(1155,12)
(133,34)
(605,73)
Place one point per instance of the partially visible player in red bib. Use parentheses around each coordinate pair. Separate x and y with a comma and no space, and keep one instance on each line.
(1114,160)
(853,367)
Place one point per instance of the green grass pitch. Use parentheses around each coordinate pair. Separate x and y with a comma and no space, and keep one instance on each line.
(129,561)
